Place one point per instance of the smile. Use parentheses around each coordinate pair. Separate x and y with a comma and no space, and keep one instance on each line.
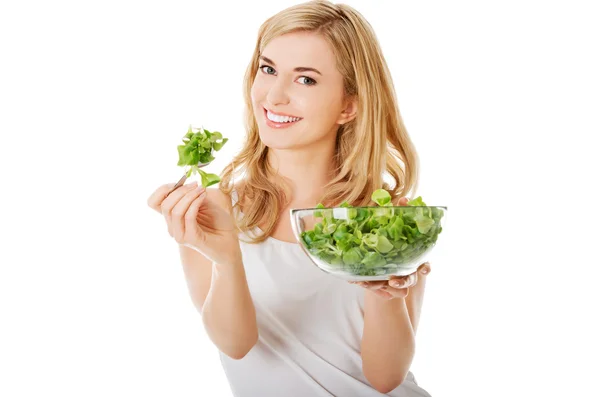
(278,121)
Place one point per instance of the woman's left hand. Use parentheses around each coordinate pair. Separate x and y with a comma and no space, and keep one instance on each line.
(396,286)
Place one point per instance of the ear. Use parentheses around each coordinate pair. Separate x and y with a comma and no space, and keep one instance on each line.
(349,112)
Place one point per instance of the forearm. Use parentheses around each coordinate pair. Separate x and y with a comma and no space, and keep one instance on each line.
(197,270)
(414,301)
(388,343)
(228,313)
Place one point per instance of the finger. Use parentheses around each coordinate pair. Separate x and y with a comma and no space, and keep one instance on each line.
(397,292)
(397,282)
(167,205)
(157,197)
(191,224)
(177,185)
(372,285)
(402,201)
(172,199)
(381,293)
(425,268)
(375,287)
(404,282)
(179,212)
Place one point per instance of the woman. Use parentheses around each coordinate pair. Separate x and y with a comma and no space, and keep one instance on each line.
(322,126)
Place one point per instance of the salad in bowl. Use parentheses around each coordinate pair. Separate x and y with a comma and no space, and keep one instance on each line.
(369,243)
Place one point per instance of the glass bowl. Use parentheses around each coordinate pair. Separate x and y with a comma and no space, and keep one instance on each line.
(368,243)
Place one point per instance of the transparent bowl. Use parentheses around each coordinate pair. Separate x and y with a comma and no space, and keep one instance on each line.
(368,243)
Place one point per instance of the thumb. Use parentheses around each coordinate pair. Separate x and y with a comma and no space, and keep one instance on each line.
(425,268)
(403,201)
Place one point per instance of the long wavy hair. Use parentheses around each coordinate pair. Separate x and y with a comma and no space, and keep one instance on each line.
(373,144)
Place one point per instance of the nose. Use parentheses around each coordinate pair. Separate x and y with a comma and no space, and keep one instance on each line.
(277,94)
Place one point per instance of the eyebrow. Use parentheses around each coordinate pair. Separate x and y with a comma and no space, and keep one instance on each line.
(298,69)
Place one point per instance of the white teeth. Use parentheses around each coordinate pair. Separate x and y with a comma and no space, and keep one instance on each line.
(281,119)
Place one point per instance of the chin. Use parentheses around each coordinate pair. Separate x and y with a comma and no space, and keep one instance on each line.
(276,141)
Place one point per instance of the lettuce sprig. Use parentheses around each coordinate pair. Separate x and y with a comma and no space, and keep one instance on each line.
(198,148)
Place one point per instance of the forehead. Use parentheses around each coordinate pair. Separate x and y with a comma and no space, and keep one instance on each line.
(301,49)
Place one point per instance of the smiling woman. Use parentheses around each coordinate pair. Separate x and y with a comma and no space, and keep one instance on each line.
(322,126)
(298,87)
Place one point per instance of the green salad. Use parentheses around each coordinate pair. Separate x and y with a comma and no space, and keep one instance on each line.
(373,241)
(197,148)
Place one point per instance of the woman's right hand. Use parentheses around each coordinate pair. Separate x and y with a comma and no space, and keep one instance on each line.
(197,222)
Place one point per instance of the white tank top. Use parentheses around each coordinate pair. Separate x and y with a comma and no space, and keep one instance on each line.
(310,326)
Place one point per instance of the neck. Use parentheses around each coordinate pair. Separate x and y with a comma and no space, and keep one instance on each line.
(306,171)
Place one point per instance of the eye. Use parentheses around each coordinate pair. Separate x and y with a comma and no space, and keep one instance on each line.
(266,66)
(309,80)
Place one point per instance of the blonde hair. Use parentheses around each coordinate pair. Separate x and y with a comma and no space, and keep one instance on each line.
(374,143)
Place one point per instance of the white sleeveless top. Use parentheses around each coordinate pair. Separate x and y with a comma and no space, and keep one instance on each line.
(310,326)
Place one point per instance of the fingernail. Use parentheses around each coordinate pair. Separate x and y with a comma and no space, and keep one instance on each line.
(200,188)
(395,284)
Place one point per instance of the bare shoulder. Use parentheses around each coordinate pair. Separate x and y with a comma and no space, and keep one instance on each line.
(224,200)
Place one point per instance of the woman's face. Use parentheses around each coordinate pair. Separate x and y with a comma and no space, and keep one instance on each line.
(297,76)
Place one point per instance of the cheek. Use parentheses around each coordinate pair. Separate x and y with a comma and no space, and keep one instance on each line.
(257,92)
(323,111)
(314,106)
(326,105)
(259,89)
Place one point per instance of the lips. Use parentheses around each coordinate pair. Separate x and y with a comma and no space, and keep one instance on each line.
(274,124)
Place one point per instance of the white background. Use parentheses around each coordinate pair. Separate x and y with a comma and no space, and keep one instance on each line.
(501,99)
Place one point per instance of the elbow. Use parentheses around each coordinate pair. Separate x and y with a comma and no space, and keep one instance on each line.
(384,382)
(384,387)
(240,350)
(237,354)
(234,340)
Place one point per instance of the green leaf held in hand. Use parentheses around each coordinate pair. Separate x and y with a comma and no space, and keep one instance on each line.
(198,148)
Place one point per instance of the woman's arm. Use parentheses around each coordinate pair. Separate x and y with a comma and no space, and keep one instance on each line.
(228,313)
(388,344)
(220,293)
